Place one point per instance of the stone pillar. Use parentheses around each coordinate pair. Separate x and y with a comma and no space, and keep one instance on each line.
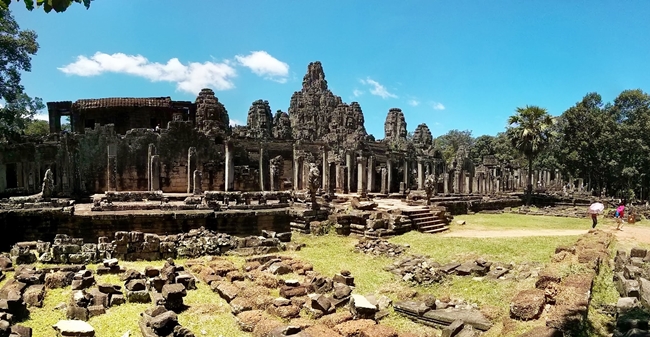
(111,168)
(261,169)
(547,176)
(150,152)
(348,163)
(325,186)
(197,190)
(229,180)
(154,168)
(445,178)
(405,179)
(384,180)
(389,181)
(420,175)
(362,182)
(371,174)
(340,178)
(191,166)
(466,183)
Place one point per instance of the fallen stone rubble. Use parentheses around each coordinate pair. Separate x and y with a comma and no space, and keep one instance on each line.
(132,246)
(421,270)
(564,297)
(161,322)
(379,247)
(455,320)
(248,292)
(632,280)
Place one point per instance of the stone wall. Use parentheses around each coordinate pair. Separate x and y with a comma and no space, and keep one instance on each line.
(45,224)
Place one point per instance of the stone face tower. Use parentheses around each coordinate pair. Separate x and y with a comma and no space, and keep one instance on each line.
(395,125)
(422,136)
(211,115)
(260,119)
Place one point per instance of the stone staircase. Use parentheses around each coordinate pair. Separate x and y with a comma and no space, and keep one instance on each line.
(426,220)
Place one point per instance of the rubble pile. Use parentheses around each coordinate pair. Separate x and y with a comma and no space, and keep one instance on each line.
(161,322)
(135,245)
(632,280)
(454,317)
(379,247)
(564,298)
(421,270)
(26,289)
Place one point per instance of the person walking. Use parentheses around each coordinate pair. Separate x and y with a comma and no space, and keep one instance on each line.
(595,209)
(620,213)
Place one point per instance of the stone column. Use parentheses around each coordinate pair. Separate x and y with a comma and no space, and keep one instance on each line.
(348,163)
(340,178)
(150,152)
(229,179)
(384,180)
(547,176)
(371,174)
(197,190)
(111,168)
(154,168)
(325,186)
(420,175)
(191,166)
(389,182)
(405,179)
(362,183)
(261,169)
(445,182)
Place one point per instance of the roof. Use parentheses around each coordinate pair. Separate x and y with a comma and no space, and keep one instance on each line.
(157,102)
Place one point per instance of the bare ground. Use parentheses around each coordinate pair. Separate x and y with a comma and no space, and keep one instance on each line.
(629,234)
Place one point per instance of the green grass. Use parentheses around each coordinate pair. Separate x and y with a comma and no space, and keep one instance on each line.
(507,221)
(449,249)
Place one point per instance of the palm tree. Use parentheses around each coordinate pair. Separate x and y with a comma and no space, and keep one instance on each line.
(529,130)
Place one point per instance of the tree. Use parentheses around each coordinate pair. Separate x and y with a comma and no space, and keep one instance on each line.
(529,133)
(37,127)
(449,143)
(48,5)
(16,48)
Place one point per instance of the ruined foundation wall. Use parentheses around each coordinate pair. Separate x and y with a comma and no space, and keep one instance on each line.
(32,225)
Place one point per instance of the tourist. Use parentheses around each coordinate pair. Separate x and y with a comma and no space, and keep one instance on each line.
(594,210)
(620,213)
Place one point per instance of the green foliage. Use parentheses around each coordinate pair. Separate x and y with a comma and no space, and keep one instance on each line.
(530,132)
(16,48)
(37,127)
(449,143)
(48,5)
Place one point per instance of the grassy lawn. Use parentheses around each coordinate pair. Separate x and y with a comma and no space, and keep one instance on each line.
(209,315)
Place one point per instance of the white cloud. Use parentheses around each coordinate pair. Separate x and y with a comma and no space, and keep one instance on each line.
(357,92)
(437,106)
(377,89)
(43,117)
(263,64)
(413,102)
(234,122)
(190,78)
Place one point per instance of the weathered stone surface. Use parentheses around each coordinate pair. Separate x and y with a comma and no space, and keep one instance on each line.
(317,114)
(527,304)
(281,126)
(543,331)
(361,308)
(226,290)
(453,329)
(211,115)
(140,296)
(34,295)
(74,328)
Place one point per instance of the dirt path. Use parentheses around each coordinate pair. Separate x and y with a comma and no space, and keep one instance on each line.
(629,234)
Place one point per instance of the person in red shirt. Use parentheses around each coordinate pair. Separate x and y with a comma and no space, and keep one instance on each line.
(620,213)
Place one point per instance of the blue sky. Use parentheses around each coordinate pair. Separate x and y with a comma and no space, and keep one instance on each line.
(451,65)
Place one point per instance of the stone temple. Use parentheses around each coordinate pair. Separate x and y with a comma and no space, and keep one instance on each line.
(158,149)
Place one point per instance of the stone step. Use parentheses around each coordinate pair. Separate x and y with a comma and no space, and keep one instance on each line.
(431,222)
(435,230)
(422,216)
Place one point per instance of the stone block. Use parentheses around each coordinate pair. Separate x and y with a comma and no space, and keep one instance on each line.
(173,291)
(140,296)
(527,304)
(361,308)
(34,295)
(96,310)
(75,328)
(116,299)
(638,252)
